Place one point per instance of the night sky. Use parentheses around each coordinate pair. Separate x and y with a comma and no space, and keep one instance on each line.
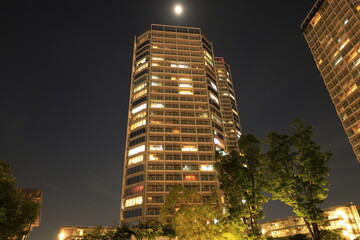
(64,88)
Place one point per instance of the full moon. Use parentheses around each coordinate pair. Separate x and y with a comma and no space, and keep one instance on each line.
(178,9)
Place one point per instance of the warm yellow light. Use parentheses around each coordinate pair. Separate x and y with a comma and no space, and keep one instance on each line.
(178,9)
(61,236)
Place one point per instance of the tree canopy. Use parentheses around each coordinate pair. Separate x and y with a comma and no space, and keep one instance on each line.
(17,212)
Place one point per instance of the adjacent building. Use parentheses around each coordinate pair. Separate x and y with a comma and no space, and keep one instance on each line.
(182,109)
(332,31)
(344,218)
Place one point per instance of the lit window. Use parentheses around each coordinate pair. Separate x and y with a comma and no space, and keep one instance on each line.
(234,112)
(139,108)
(173,78)
(154,77)
(232,96)
(139,94)
(156,147)
(185,85)
(136,159)
(204,167)
(189,148)
(139,115)
(315,19)
(142,67)
(153,157)
(138,88)
(213,97)
(157,58)
(225,94)
(213,85)
(156,84)
(352,89)
(138,124)
(155,64)
(155,46)
(208,54)
(157,105)
(133,201)
(136,150)
(173,65)
(346,21)
(218,142)
(184,79)
(344,44)
(141,61)
(188,177)
(189,92)
(337,61)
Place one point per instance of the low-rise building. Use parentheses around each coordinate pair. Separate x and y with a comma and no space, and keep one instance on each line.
(343,217)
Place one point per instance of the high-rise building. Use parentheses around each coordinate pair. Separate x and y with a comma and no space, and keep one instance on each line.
(332,31)
(182,109)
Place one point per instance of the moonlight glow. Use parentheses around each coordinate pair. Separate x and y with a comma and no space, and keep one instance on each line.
(178,9)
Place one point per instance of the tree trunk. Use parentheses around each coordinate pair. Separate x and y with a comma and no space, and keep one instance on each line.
(313,237)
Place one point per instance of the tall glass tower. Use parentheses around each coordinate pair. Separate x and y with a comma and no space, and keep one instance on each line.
(332,31)
(182,109)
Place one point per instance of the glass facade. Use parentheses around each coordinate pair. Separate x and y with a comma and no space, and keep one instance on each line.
(332,31)
(177,119)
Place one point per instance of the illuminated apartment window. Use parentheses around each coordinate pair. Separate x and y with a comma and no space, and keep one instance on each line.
(156,147)
(213,85)
(344,43)
(139,94)
(190,177)
(187,148)
(136,159)
(141,67)
(133,201)
(185,85)
(138,88)
(155,64)
(136,150)
(186,92)
(157,58)
(156,84)
(218,142)
(207,167)
(184,79)
(315,19)
(141,61)
(213,97)
(157,105)
(154,77)
(139,108)
(139,115)
(138,124)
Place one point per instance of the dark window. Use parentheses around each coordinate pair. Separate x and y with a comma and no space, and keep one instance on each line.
(137,132)
(137,141)
(135,179)
(133,213)
(135,169)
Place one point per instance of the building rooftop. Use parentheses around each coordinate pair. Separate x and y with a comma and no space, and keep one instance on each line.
(311,14)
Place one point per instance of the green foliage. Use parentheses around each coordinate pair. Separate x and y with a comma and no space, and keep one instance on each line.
(147,230)
(17,213)
(297,173)
(242,180)
(196,220)
(331,234)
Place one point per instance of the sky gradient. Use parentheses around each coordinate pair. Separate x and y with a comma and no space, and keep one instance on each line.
(64,88)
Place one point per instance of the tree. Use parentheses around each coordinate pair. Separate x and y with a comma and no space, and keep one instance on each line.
(17,212)
(147,230)
(331,234)
(242,181)
(297,172)
(193,219)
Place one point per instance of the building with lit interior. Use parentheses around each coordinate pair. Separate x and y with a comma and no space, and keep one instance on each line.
(78,232)
(344,218)
(332,31)
(182,109)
